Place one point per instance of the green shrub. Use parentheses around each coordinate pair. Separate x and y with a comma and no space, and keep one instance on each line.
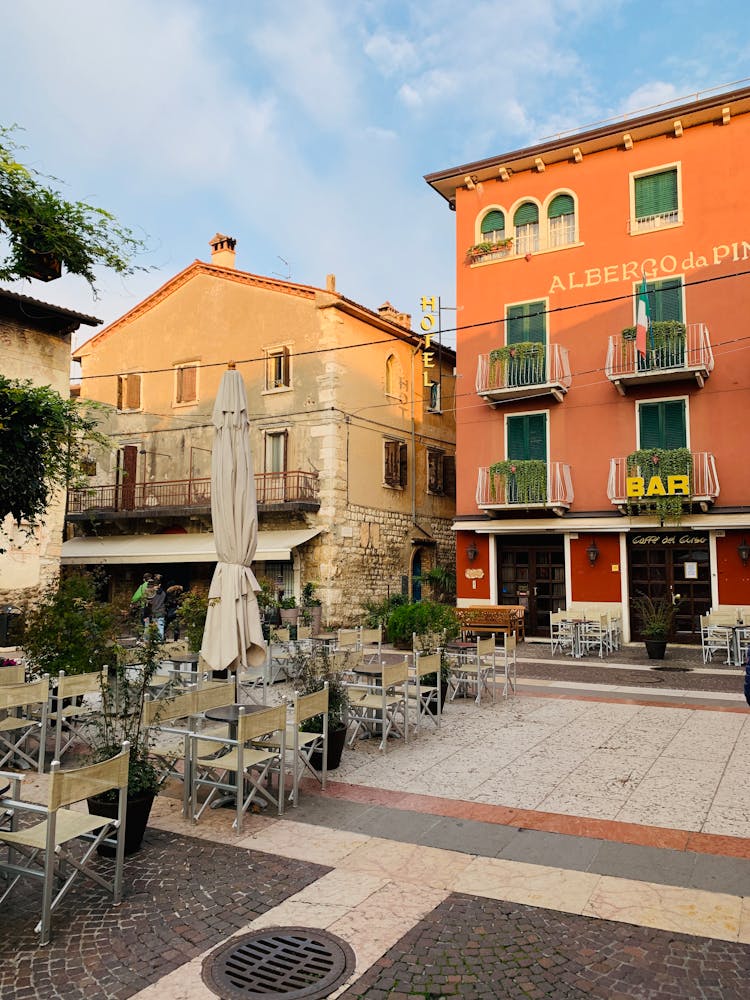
(421,617)
(378,613)
(192,616)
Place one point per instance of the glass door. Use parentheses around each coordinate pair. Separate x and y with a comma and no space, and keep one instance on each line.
(677,565)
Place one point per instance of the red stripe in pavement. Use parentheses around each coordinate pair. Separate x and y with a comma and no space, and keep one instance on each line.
(532,819)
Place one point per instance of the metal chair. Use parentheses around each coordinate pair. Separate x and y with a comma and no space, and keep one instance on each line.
(24,707)
(70,721)
(47,851)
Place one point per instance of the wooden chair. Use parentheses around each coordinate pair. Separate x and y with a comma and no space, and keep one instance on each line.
(51,851)
(23,718)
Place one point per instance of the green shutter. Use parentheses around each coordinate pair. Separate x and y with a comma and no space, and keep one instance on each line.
(662,425)
(561,205)
(656,194)
(493,222)
(526,214)
(526,322)
(527,437)
(665,299)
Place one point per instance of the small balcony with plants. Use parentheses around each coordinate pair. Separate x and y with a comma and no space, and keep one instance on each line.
(663,482)
(488,250)
(522,371)
(675,351)
(527,484)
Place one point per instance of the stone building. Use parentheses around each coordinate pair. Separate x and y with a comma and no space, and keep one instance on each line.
(34,344)
(352,432)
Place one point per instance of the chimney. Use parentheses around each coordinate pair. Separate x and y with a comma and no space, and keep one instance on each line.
(389,312)
(222,250)
(330,282)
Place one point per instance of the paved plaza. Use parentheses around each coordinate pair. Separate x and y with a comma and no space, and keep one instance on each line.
(588,837)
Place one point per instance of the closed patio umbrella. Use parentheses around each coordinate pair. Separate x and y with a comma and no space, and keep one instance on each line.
(233,637)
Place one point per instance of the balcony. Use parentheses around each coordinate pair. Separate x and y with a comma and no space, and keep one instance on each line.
(528,485)
(523,371)
(699,467)
(290,490)
(670,357)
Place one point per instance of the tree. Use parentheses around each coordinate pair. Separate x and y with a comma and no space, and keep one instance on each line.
(45,231)
(42,441)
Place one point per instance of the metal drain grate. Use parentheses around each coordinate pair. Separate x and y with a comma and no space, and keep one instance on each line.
(288,962)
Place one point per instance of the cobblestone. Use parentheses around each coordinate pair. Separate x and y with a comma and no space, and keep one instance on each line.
(513,951)
(184,896)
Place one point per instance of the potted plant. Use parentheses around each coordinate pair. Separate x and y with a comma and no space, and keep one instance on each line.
(120,719)
(191,615)
(312,610)
(289,610)
(421,617)
(656,616)
(312,670)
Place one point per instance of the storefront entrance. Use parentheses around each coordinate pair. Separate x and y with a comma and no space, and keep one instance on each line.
(531,572)
(674,563)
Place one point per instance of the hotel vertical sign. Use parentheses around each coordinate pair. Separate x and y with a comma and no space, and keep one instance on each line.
(427,325)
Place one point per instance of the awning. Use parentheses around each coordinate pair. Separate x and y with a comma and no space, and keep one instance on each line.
(273,546)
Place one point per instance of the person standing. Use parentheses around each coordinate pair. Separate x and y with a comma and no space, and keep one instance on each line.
(158,606)
(139,598)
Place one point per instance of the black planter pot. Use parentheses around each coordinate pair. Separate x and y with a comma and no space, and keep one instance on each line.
(336,743)
(747,683)
(655,648)
(137,814)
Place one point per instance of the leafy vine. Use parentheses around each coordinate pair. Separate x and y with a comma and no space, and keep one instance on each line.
(662,462)
(523,481)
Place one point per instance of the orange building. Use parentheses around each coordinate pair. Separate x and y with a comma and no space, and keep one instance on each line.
(594,461)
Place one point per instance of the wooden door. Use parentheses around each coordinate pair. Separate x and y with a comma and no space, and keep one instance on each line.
(531,572)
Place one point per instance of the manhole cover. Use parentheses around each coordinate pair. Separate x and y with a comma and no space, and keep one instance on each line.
(288,962)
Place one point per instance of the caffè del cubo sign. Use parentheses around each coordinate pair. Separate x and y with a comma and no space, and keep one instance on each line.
(677,539)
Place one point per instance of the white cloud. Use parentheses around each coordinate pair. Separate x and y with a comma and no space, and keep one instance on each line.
(391,53)
(648,95)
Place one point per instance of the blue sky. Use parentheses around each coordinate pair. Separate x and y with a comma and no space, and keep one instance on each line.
(304,128)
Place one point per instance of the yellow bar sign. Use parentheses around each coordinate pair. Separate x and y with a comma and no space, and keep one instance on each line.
(676,486)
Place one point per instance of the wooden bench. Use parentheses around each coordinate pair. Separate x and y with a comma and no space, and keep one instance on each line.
(500,619)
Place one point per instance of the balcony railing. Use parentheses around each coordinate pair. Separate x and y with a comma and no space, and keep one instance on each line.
(704,479)
(545,374)
(674,359)
(270,487)
(504,490)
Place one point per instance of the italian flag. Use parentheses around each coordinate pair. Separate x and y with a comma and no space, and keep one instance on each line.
(643,319)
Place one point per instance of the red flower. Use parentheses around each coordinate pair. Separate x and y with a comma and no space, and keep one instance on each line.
(655,459)
(512,468)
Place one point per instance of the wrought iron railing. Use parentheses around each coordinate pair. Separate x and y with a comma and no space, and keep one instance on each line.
(691,353)
(502,489)
(271,488)
(550,367)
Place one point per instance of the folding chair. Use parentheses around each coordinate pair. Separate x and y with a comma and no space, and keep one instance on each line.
(382,706)
(595,635)
(423,691)
(168,721)
(234,765)
(46,851)
(25,709)
(715,638)
(280,657)
(252,680)
(562,633)
(301,745)
(474,668)
(509,664)
(12,675)
(371,643)
(348,638)
(70,721)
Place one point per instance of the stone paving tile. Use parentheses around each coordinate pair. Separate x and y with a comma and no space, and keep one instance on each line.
(183,896)
(482,949)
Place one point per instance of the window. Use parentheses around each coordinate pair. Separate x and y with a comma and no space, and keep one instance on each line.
(88,466)
(275,451)
(664,299)
(278,368)
(526,222)
(394,473)
(527,437)
(655,200)
(662,425)
(271,486)
(441,473)
(393,376)
(527,324)
(129,392)
(433,398)
(186,384)
(493,226)
(561,220)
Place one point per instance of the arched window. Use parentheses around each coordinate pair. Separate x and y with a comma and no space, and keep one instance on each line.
(392,376)
(561,216)
(493,226)
(526,222)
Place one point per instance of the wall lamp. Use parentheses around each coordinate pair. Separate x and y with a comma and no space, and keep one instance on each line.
(472,552)
(743,551)
(592,552)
